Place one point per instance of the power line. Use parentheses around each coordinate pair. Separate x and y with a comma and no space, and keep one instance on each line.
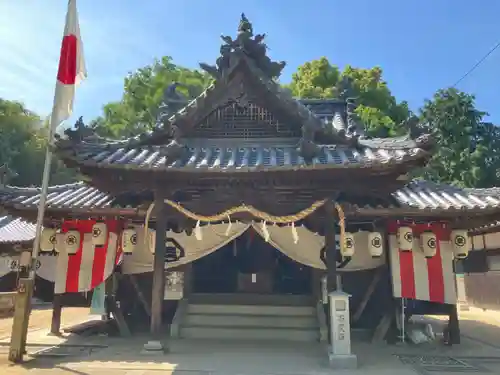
(476,65)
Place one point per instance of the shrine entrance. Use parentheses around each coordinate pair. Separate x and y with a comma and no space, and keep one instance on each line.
(248,264)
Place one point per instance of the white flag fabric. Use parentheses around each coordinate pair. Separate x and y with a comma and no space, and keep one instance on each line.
(71,69)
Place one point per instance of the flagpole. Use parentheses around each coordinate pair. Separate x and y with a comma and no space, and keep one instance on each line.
(43,198)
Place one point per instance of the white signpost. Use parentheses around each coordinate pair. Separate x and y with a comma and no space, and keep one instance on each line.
(340,354)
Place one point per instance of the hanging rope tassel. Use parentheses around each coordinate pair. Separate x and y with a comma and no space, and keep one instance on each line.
(197,231)
(295,235)
(265,231)
(228,230)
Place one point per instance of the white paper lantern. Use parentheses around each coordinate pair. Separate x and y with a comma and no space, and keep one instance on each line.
(375,244)
(428,244)
(151,240)
(59,239)
(99,234)
(48,239)
(461,243)
(129,241)
(405,238)
(348,247)
(72,242)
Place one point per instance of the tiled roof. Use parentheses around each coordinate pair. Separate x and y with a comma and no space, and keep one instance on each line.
(428,195)
(14,230)
(234,155)
(417,194)
(61,196)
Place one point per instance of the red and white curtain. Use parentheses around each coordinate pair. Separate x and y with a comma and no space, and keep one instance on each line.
(91,265)
(416,277)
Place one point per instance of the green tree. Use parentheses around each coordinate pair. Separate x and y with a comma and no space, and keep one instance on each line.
(23,140)
(467,148)
(143,91)
(377,109)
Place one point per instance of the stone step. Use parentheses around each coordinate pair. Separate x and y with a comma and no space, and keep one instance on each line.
(271,321)
(250,333)
(251,310)
(251,299)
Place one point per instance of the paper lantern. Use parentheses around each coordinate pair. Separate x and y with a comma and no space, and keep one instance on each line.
(129,241)
(375,244)
(72,242)
(99,234)
(428,244)
(48,239)
(151,242)
(59,242)
(460,242)
(405,238)
(347,248)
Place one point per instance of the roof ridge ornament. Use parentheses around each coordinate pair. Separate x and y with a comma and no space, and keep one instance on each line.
(79,132)
(245,45)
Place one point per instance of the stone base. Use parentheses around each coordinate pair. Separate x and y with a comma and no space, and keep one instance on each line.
(463,306)
(153,348)
(343,362)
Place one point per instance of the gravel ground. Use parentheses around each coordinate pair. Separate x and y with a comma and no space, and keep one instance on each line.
(41,316)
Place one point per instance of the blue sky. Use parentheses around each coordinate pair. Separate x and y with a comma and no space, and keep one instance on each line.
(422,45)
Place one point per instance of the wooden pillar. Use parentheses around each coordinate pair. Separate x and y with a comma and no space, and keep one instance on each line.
(55,325)
(158,269)
(453,325)
(331,246)
(21,316)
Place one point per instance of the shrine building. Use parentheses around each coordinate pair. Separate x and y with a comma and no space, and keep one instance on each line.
(248,213)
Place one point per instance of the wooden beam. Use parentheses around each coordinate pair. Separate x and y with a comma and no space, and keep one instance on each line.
(55,324)
(369,292)
(142,299)
(158,289)
(113,307)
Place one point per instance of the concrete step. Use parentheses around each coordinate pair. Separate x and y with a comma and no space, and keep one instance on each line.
(271,321)
(251,299)
(250,333)
(206,309)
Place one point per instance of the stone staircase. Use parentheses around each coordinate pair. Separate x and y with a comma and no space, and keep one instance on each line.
(248,317)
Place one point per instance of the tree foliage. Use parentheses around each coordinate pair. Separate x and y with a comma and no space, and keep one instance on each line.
(23,140)
(467,152)
(143,91)
(378,109)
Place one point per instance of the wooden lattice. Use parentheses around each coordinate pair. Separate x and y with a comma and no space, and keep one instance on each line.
(235,121)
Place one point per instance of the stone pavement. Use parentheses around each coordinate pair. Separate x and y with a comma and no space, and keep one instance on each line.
(478,354)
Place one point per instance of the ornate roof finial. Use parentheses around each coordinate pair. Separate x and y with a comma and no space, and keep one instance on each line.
(245,45)
(80,131)
(6,175)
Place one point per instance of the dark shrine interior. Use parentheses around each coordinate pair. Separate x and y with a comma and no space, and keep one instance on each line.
(248,264)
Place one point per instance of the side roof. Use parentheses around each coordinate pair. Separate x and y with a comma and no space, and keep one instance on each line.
(416,196)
